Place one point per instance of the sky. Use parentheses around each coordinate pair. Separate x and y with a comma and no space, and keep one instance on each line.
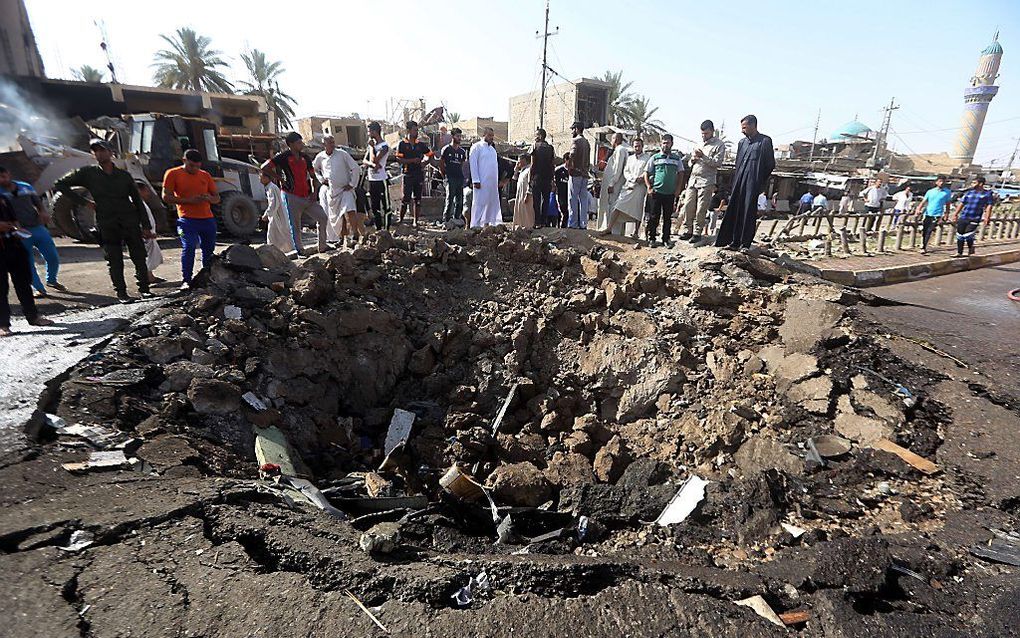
(782,61)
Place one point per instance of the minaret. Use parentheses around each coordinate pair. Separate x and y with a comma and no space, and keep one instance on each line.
(976,98)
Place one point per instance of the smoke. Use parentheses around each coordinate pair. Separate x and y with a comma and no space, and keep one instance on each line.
(21,112)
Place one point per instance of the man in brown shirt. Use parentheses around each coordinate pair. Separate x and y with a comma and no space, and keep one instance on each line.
(580,165)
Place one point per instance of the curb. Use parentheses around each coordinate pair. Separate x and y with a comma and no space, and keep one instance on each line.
(900,274)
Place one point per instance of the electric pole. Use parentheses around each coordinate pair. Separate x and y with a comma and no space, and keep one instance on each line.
(545,66)
(1009,165)
(101,25)
(880,143)
(814,138)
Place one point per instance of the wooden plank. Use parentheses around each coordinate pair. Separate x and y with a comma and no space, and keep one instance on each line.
(794,617)
(916,461)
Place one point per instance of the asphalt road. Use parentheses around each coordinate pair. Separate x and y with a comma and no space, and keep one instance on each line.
(965,314)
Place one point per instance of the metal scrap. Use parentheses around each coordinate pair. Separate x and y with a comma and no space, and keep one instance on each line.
(686,500)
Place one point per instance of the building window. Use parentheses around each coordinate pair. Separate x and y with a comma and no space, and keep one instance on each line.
(233,120)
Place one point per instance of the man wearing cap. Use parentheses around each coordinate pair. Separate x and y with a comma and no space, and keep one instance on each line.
(193,191)
(297,179)
(120,215)
(579,167)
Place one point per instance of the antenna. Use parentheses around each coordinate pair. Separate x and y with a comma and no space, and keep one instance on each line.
(103,44)
(545,66)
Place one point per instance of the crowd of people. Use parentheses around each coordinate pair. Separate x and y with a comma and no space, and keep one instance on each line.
(342,198)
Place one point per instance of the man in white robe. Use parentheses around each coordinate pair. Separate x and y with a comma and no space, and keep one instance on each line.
(338,173)
(485,210)
(612,182)
(276,218)
(630,207)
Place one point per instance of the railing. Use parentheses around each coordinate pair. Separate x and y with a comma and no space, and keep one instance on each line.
(870,233)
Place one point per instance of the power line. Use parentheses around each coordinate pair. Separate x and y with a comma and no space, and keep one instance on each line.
(956,128)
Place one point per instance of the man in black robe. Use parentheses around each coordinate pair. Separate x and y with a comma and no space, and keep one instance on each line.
(755,162)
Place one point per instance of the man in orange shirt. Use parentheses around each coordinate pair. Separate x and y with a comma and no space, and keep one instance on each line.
(193,191)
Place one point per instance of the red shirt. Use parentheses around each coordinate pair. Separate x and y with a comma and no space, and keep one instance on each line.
(299,169)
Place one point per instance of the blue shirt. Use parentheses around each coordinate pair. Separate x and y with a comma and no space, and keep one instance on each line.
(937,199)
(25,201)
(975,202)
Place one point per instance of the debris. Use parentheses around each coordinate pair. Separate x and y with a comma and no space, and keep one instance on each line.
(382,538)
(97,436)
(256,403)
(687,498)
(898,389)
(917,462)
(498,421)
(793,530)
(99,461)
(760,607)
(271,446)
(476,585)
(383,504)
(399,430)
(80,539)
(365,609)
(830,446)
(900,569)
(1004,548)
(794,617)
(232,312)
(312,494)
(55,422)
(459,483)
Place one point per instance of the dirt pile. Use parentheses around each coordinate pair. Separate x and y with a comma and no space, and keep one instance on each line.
(579,383)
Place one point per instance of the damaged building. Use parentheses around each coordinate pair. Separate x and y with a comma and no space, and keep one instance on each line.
(585,100)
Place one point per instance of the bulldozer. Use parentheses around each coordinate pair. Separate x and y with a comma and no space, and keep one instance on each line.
(147,145)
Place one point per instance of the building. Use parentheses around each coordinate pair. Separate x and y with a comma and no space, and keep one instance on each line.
(19,54)
(585,100)
(232,114)
(474,128)
(350,131)
(976,98)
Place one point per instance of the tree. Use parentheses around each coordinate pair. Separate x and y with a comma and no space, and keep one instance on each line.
(189,63)
(87,73)
(263,81)
(641,117)
(452,117)
(620,100)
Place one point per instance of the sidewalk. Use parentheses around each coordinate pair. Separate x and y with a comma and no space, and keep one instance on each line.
(897,267)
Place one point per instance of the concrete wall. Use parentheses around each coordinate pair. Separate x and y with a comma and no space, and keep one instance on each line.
(561,109)
(19,54)
(347,131)
(473,128)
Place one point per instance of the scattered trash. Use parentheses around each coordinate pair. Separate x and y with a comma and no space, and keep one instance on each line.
(382,538)
(1003,548)
(399,430)
(760,607)
(55,422)
(311,494)
(97,436)
(269,469)
(99,460)
(80,539)
(582,528)
(232,312)
(505,531)
(917,462)
(812,454)
(476,585)
(899,390)
(900,569)
(271,446)
(459,483)
(365,609)
(687,498)
(256,403)
(794,617)
(793,530)
(498,421)
(830,446)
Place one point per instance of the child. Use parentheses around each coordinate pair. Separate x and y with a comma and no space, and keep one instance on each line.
(153,254)
(278,227)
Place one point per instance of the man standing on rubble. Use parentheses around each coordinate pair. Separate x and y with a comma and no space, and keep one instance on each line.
(579,167)
(451,165)
(543,164)
(705,162)
(120,215)
(412,153)
(755,163)
(337,171)
(612,183)
(375,159)
(484,163)
(294,171)
(193,191)
(664,180)
(630,206)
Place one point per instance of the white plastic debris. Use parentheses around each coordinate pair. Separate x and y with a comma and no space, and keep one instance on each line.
(476,585)
(256,403)
(761,607)
(687,498)
(793,530)
(399,431)
(80,539)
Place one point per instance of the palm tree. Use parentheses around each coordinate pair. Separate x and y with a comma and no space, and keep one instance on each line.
(641,117)
(452,117)
(620,100)
(87,73)
(263,81)
(189,63)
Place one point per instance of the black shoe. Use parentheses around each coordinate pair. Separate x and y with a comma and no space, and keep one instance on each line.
(694,239)
(668,244)
(970,251)
(959,254)
(653,243)
(123,297)
(57,286)
(686,236)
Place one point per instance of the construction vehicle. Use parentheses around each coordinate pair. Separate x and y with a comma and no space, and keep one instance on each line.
(148,145)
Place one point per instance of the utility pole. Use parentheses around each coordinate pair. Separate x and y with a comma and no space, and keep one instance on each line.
(814,138)
(545,66)
(884,135)
(106,50)
(1009,165)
